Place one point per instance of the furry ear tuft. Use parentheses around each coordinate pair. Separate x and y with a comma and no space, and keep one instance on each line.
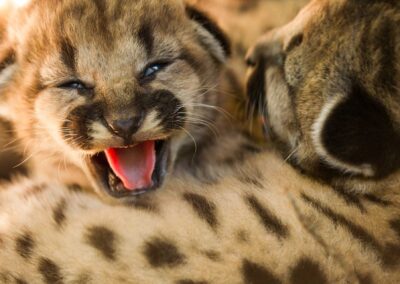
(210,34)
(357,134)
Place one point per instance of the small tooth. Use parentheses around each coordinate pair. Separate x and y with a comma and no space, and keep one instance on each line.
(111,177)
(112,181)
(120,188)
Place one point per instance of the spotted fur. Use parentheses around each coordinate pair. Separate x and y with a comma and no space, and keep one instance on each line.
(292,230)
(239,215)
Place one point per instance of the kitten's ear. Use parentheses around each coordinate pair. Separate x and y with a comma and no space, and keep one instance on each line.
(356,133)
(210,34)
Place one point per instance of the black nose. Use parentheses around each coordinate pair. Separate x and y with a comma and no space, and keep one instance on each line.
(125,128)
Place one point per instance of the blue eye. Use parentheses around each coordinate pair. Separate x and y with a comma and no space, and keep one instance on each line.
(152,70)
(75,85)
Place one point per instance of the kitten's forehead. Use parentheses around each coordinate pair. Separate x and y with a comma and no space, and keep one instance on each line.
(91,32)
(97,21)
(107,20)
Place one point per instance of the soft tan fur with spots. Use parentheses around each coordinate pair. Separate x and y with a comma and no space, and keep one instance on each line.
(237,215)
(260,223)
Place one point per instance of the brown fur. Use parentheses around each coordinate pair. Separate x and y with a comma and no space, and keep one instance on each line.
(235,215)
(98,45)
(327,82)
(275,225)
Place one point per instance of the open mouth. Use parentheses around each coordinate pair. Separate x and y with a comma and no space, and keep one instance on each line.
(132,170)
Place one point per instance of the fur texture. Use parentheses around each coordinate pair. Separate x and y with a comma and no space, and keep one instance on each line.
(257,222)
(83,77)
(327,84)
(231,214)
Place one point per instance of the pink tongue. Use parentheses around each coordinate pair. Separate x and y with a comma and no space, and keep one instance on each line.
(133,166)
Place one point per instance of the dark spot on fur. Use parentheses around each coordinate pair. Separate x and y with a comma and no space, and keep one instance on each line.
(246,6)
(257,274)
(7,58)
(25,245)
(103,240)
(251,148)
(350,198)
(68,55)
(146,37)
(395,225)
(76,127)
(242,236)
(376,200)
(101,6)
(267,218)
(50,271)
(212,255)
(5,277)
(365,278)
(163,253)
(59,212)
(253,179)
(188,281)
(102,22)
(143,203)
(389,253)
(75,188)
(19,280)
(117,11)
(205,209)
(11,165)
(76,11)
(307,271)
(358,232)
(34,190)
(170,109)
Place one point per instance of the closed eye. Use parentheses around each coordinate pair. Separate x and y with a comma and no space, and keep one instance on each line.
(74,85)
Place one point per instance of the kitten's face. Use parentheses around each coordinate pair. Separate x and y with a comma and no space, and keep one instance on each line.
(112,86)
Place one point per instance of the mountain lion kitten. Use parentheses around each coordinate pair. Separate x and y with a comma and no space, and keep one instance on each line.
(233,213)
